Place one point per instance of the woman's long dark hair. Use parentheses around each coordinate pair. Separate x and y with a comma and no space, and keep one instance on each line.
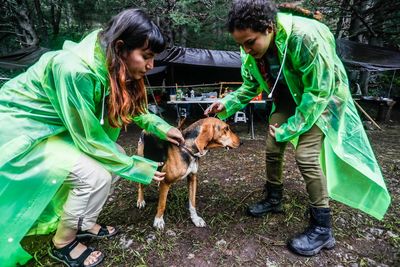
(136,30)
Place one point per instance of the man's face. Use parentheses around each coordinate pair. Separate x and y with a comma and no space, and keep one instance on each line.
(254,43)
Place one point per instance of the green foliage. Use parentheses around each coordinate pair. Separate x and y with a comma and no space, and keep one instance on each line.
(186,22)
(196,23)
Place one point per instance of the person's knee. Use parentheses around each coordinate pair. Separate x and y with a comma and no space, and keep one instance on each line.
(120,148)
(306,158)
(101,178)
(273,148)
(273,156)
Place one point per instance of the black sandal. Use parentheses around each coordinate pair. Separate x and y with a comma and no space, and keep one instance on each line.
(103,232)
(62,255)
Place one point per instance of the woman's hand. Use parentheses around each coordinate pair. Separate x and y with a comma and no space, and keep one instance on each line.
(215,107)
(175,136)
(272,129)
(159,176)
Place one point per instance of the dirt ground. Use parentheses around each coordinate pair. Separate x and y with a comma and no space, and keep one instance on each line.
(228,182)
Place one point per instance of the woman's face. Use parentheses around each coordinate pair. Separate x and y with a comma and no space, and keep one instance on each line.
(139,61)
(254,43)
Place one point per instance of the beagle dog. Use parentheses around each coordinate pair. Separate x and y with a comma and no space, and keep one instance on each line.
(182,161)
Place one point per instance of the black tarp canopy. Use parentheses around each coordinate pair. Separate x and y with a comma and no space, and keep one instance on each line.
(22,58)
(195,66)
(191,65)
(367,57)
(200,57)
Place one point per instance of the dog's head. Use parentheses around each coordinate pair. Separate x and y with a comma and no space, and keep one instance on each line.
(215,133)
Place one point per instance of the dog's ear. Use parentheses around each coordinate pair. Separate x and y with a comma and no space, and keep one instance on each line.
(205,136)
(181,123)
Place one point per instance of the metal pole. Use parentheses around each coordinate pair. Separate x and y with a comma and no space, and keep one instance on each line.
(390,88)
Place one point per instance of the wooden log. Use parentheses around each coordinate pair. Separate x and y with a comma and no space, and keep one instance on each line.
(368,116)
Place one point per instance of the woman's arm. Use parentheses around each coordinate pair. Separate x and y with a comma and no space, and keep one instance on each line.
(71,88)
(153,124)
(238,99)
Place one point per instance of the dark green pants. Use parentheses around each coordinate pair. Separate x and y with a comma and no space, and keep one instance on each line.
(307,158)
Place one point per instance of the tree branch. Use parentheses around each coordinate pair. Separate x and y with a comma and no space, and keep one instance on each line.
(363,21)
(357,33)
(381,5)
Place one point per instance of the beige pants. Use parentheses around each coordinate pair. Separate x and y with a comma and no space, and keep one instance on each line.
(90,185)
(307,158)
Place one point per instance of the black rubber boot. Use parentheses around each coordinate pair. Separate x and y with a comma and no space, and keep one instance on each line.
(271,203)
(317,236)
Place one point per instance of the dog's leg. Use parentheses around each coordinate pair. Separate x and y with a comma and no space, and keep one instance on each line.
(140,200)
(162,201)
(192,186)
(140,203)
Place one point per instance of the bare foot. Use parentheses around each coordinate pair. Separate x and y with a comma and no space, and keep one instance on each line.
(96,228)
(79,249)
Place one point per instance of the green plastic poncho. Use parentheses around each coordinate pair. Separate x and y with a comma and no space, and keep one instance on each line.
(49,115)
(318,83)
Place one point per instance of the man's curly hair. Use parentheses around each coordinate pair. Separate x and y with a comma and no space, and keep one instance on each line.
(256,15)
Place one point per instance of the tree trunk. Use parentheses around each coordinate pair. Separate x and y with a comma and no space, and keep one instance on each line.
(25,30)
(356,30)
(364,80)
(168,31)
(39,13)
(183,36)
(342,19)
(378,19)
(357,33)
(55,16)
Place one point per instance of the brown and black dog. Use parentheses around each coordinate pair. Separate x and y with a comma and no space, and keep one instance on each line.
(182,161)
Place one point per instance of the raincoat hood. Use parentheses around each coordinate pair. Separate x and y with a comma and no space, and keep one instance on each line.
(96,60)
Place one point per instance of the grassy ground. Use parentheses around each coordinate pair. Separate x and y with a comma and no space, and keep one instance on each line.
(228,182)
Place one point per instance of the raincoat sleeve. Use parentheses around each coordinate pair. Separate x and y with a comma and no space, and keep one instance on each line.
(314,59)
(153,124)
(73,99)
(238,99)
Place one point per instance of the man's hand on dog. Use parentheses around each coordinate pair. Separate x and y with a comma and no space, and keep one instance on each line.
(215,107)
(175,136)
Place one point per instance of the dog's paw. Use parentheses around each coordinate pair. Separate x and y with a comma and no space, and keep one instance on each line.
(159,223)
(198,221)
(141,204)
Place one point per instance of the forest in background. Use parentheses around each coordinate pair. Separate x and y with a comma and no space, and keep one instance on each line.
(195,23)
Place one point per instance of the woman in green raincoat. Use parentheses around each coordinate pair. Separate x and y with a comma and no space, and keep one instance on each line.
(293,58)
(60,121)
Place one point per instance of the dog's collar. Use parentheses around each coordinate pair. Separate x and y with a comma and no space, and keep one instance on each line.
(191,153)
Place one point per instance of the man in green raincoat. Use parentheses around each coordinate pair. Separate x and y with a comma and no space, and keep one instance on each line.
(59,124)
(293,58)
